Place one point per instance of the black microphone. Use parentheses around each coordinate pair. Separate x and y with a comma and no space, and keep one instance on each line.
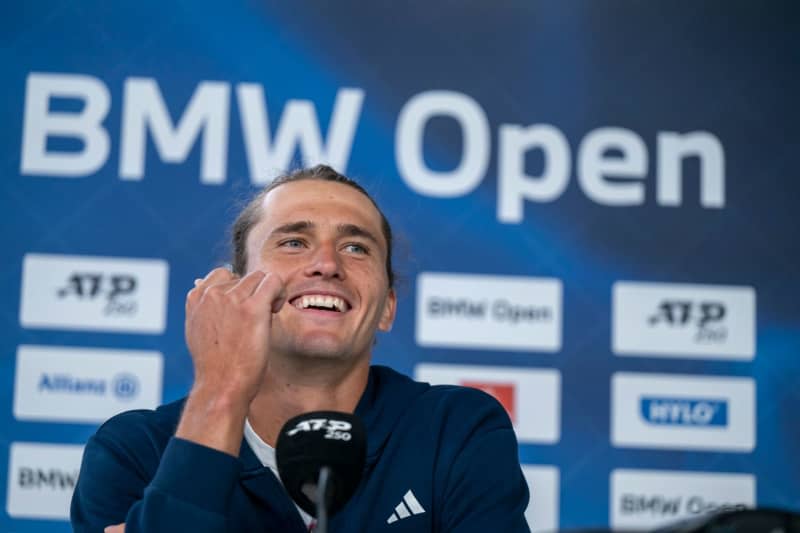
(320,457)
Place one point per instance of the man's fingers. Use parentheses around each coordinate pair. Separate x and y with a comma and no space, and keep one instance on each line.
(271,291)
(216,278)
(119,528)
(245,286)
(258,289)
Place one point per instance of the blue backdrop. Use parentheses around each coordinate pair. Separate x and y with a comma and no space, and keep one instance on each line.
(725,69)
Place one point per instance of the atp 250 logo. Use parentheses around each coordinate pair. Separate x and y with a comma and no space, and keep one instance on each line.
(705,317)
(684,321)
(94,293)
(117,291)
(334,429)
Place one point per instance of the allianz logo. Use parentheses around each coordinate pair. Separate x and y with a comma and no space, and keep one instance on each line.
(500,310)
(665,411)
(658,505)
(124,386)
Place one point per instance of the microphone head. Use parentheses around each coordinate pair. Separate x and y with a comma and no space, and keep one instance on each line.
(318,439)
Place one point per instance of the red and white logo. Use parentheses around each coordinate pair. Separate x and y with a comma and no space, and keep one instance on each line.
(532,397)
(505,393)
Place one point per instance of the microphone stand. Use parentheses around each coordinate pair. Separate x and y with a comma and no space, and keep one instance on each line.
(323,492)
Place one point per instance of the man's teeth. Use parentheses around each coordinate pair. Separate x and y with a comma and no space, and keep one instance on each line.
(328,302)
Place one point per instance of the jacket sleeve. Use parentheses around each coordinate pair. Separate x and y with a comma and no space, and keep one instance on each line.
(189,490)
(484,488)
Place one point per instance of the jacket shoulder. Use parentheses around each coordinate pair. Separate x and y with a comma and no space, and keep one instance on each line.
(140,433)
(119,461)
(439,401)
(467,402)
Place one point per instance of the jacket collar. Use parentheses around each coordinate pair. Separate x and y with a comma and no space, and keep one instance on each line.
(264,486)
(383,403)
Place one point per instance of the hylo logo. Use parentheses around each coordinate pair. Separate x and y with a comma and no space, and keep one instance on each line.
(684,411)
(334,429)
(704,315)
(115,288)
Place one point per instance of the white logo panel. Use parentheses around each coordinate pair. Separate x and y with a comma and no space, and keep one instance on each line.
(94,293)
(41,479)
(500,312)
(543,484)
(532,398)
(644,499)
(683,412)
(88,385)
(684,321)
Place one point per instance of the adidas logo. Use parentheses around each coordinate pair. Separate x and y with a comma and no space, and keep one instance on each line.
(408,506)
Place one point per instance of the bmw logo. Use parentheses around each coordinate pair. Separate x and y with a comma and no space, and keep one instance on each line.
(125,386)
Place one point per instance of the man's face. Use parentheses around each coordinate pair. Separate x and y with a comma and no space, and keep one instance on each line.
(324,239)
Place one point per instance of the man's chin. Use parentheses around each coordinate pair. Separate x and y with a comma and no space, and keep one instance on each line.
(319,346)
(322,349)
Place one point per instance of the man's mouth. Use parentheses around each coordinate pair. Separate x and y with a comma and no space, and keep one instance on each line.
(321,302)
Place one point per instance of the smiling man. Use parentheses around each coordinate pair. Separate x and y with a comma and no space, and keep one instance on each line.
(288,331)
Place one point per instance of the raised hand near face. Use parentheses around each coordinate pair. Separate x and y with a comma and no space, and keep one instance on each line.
(228,323)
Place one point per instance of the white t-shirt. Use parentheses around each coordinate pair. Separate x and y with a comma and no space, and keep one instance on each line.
(266,454)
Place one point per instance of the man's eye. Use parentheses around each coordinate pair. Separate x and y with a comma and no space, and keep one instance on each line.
(292,243)
(356,248)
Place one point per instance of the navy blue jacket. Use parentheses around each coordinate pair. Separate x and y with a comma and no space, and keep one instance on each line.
(453,447)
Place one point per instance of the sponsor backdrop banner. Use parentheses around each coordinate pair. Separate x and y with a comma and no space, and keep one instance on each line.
(595,206)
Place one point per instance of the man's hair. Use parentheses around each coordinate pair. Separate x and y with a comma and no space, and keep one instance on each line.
(251,214)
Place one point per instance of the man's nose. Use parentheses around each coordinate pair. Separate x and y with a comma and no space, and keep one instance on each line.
(326,263)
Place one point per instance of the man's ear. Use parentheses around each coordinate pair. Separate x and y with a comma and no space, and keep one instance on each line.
(389,310)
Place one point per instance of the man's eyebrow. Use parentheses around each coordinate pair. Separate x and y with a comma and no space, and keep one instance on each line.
(343,230)
(302,226)
(353,230)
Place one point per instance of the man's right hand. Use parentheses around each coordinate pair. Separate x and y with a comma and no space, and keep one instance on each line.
(228,323)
